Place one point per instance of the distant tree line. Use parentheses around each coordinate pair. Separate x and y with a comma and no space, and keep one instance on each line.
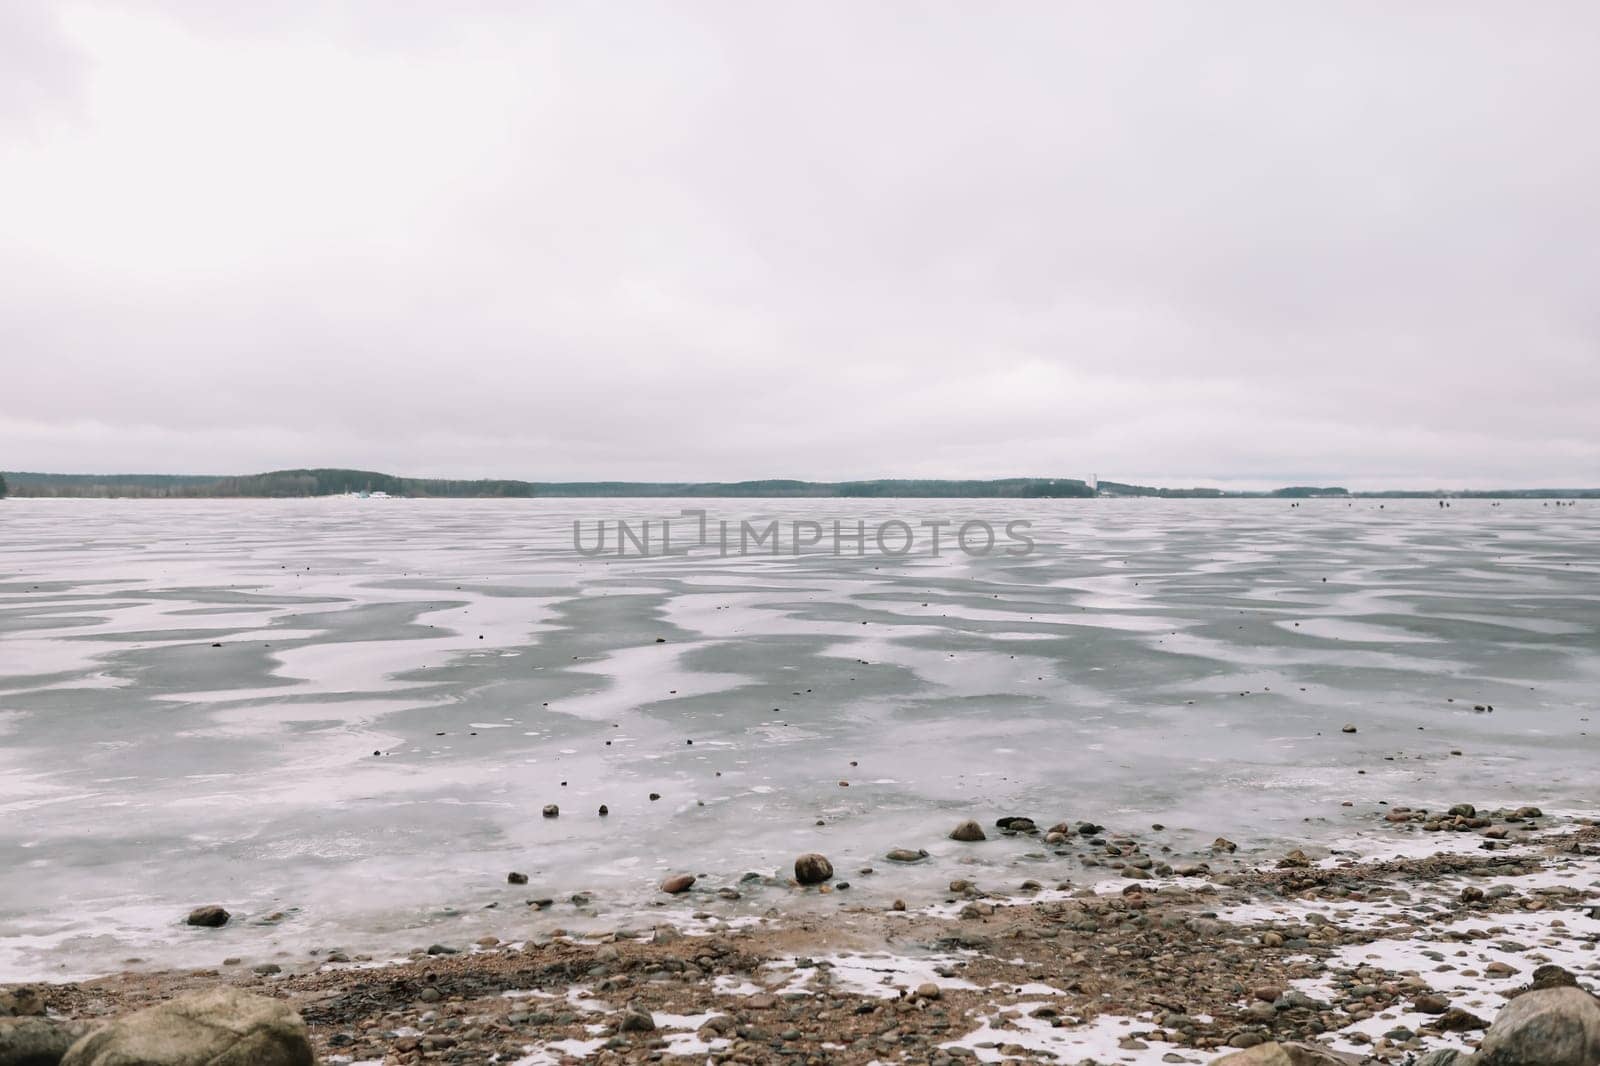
(1304,492)
(334,482)
(106,485)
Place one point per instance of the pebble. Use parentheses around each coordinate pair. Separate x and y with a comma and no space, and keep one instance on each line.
(812,869)
(551,810)
(968,831)
(1016,824)
(678,883)
(210,917)
(637,1020)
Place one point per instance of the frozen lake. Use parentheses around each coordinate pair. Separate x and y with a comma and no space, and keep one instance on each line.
(192,695)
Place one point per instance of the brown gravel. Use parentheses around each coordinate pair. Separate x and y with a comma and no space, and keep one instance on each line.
(1152,948)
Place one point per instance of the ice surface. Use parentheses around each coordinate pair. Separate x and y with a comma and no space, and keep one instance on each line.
(1142,666)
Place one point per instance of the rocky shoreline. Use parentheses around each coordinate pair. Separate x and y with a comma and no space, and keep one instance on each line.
(1404,955)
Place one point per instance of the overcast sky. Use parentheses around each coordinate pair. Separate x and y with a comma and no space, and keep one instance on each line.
(1177,243)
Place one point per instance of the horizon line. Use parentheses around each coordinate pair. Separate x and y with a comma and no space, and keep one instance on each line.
(31,479)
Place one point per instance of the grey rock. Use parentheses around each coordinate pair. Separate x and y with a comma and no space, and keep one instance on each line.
(21,1001)
(1545,1027)
(1456,1020)
(218,1027)
(812,869)
(968,831)
(210,917)
(906,855)
(1276,1054)
(1553,976)
(1445,1056)
(636,1020)
(31,1041)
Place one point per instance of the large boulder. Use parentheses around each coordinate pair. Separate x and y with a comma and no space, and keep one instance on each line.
(219,1027)
(1275,1054)
(37,1041)
(1546,1027)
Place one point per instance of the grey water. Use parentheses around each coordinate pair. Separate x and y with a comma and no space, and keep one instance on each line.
(341,718)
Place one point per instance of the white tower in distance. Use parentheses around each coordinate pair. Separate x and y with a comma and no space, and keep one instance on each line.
(1094,484)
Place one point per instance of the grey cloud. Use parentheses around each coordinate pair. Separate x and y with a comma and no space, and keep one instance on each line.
(40,71)
(1239,242)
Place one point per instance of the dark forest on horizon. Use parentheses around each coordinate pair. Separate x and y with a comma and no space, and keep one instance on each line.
(289,484)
